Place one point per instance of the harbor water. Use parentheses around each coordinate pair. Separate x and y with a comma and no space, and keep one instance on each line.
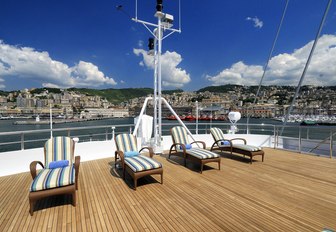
(104,128)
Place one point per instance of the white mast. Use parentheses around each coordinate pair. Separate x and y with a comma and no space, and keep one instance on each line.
(164,23)
(160,32)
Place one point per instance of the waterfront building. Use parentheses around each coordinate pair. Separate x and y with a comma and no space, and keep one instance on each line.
(104,113)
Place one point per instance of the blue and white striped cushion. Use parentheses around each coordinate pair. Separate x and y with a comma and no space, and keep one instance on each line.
(53,178)
(201,153)
(141,163)
(126,142)
(217,133)
(179,135)
(246,147)
(59,148)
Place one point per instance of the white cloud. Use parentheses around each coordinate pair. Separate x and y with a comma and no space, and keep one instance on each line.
(286,69)
(29,64)
(257,22)
(122,82)
(239,73)
(172,76)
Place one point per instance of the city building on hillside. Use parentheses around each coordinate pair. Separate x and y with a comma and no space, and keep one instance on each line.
(3,100)
(260,111)
(213,111)
(216,100)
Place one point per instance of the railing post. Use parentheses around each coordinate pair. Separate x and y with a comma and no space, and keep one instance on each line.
(90,137)
(106,135)
(22,141)
(196,117)
(331,144)
(307,133)
(277,136)
(68,133)
(130,130)
(300,140)
(274,136)
(113,132)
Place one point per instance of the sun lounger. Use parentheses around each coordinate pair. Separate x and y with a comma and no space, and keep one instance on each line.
(59,174)
(223,144)
(191,151)
(136,164)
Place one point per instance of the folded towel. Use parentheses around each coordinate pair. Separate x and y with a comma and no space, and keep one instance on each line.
(187,146)
(131,153)
(226,143)
(58,164)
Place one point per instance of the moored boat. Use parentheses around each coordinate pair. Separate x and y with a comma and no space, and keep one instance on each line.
(308,123)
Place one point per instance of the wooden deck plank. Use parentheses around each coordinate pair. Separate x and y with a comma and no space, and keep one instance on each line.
(288,192)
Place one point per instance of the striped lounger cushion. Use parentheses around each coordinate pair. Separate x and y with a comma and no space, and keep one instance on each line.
(247,147)
(53,178)
(58,148)
(141,163)
(202,153)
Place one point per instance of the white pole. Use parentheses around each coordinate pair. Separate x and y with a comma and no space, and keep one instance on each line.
(136,9)
(159,79)
(51,127)
(140,115)
(155,88)
(196,117)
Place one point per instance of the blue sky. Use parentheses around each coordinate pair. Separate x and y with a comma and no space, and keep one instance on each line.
(92,45)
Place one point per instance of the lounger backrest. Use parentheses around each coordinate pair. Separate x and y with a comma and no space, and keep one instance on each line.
(179,135)
(59,148)
(126,142)
(217,133)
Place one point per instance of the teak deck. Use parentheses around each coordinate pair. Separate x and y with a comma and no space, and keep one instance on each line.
(287,192)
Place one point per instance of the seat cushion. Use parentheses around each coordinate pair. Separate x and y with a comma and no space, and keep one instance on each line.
(53,178)
(246,147)
(202,153)
(141,163)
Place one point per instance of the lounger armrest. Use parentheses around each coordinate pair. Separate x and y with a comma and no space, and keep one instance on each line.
(203,143)
(122,157)
(77,163)
(33,168)
(150,150)
(244,140)
(178,144)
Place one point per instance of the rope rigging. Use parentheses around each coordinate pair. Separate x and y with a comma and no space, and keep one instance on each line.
(307,65)
(268,60)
